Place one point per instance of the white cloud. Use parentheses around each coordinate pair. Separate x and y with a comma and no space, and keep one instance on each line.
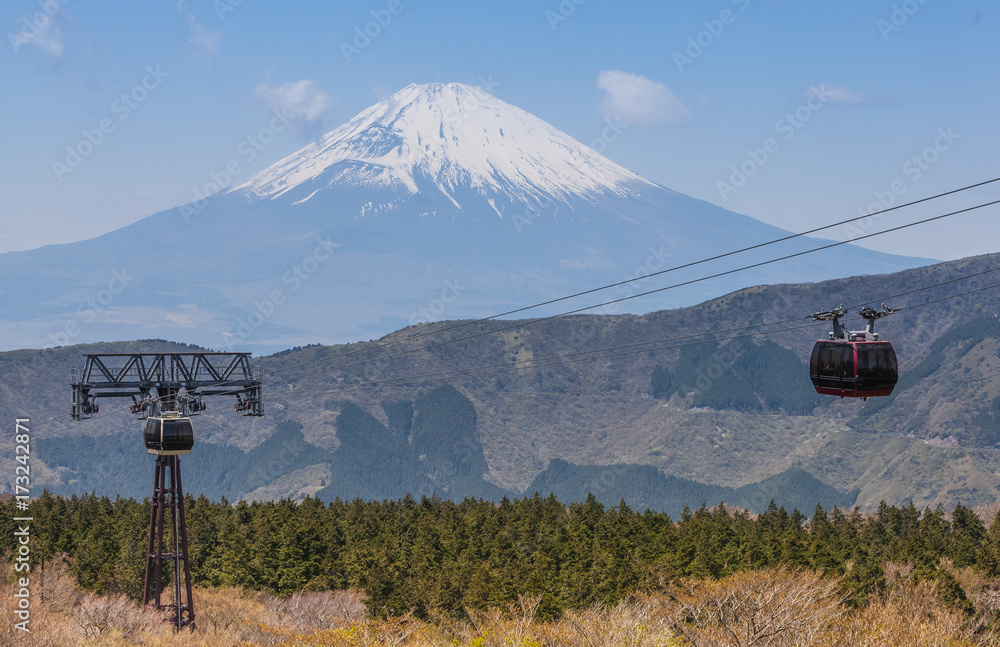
(179,320)
(840,94)
(636,100)
(49,39)
(303,101)
(43,30)
(205,39)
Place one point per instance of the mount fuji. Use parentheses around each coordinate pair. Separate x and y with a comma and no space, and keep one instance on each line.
(440,202)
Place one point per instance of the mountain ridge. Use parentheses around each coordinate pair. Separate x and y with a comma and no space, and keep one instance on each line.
(646,408)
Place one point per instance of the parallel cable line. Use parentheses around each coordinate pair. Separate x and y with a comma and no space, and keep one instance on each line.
(565,359)
(732,271)
(507,369)
(634,296)
(573,357)
(641,278)
(605,287)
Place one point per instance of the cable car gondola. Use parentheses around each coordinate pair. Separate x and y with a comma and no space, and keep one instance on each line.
(168,434)
(853,363)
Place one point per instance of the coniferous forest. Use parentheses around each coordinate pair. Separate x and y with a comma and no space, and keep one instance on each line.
(431,556)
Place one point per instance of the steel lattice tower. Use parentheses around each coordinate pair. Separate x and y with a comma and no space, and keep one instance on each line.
(180,382)
(168,498)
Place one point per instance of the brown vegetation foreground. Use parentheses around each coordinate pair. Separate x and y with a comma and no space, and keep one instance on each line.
(765,608)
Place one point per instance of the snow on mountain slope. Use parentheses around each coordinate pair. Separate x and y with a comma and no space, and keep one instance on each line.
(456,136)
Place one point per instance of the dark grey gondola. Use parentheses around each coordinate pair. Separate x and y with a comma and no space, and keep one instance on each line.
(168,435)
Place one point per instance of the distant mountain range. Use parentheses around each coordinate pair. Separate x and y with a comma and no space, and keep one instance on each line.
(668,424)
(440,202)
(644,487)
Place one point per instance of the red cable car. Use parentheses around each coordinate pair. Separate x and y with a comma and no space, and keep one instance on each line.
(853,363)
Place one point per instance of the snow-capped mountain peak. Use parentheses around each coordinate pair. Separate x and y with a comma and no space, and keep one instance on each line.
(441,202)
(452,136)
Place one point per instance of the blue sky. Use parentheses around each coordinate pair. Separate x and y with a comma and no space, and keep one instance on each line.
(695,90)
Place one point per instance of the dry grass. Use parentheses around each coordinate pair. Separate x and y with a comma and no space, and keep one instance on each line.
(772,608)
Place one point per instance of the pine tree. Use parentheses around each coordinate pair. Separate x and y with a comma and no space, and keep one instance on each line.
(988,557)
(865,579)
(967,533)
(822,544)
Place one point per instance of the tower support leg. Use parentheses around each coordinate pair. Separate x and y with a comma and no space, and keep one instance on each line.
(176,553)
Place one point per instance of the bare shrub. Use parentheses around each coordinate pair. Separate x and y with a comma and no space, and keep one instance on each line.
(629,623)
(9,635)
(394,631)
(227,612)
(632,622)
(910,614)
(97,615)
(896,574)
(321,610)
(494,627)
(368,633)
(52,600)
(766,608)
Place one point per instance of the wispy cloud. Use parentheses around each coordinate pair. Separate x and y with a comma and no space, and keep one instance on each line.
(205,39)
(44,30)
(840,94)
(302,102)
(636,100)
(49,40)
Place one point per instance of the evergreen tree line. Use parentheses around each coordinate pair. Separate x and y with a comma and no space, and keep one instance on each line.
(433,554)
